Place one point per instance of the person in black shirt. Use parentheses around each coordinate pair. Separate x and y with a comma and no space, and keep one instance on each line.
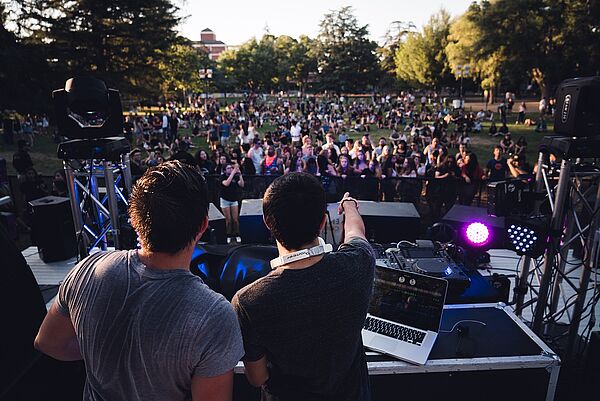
(21,159)
(231,182)
(497,167)
(182,154)
(301,324)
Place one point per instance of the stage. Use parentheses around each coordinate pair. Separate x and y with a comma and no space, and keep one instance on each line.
(542,364)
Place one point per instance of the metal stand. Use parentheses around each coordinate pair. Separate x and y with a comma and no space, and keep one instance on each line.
(568,199)
(96,190)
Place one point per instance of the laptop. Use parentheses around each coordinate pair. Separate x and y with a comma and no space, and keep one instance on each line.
(405,314)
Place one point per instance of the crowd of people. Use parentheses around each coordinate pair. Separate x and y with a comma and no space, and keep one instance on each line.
(425,153)
(427,146)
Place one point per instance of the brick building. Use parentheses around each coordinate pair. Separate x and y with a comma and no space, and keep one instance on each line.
(208,42)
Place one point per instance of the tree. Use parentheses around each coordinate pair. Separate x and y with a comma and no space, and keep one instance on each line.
(394,37)
(421,60)
(179,69)
(122,42)
(543,41)
(24,78)
(346,57)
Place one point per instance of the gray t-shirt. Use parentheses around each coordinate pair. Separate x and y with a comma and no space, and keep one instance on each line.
(145,332)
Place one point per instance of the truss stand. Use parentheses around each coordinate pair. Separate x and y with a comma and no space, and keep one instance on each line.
(565,228)
(99,181)
(521,289)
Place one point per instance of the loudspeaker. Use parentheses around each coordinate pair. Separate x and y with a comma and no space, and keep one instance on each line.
(509,197)
(460,216)
(216,233)
(387,222)
(578,107)
(52,228)
(252,226)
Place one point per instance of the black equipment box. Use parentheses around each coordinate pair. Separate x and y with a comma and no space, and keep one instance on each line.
(503,360)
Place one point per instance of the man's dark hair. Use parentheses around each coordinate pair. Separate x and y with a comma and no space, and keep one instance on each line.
(293,209)
(167,206)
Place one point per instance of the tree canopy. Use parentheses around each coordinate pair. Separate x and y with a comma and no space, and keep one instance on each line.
(421,59)
(133,46)
(347,58)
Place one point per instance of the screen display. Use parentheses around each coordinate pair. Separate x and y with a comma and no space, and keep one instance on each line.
(408,298)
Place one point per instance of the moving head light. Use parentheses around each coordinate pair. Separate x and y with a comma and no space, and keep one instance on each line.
(87,109)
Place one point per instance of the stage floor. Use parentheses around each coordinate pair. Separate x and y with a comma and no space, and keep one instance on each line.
(502,261)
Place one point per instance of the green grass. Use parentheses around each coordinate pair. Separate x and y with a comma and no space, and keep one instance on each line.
(46,162)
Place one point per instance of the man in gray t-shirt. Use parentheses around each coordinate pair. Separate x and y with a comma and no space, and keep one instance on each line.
(146,328)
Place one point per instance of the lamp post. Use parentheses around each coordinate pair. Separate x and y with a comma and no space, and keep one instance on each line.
(205,75)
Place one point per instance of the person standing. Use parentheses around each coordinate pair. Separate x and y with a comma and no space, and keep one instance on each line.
(302,322)
(497,166)
(231,183)
(146,328)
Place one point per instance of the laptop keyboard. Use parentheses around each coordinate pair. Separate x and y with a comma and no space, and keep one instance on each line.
(396,331)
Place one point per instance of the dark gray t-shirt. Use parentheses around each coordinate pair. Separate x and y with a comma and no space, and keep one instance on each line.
(144,332)
(308,323)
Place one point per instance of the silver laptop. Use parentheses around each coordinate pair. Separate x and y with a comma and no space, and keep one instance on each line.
(405,314)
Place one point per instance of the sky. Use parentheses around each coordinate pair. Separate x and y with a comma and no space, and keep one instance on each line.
(234,21)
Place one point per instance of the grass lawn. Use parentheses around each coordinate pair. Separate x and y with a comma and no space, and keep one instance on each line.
(46,162)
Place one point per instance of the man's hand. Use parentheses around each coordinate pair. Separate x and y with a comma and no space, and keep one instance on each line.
(353,223)
(346,198)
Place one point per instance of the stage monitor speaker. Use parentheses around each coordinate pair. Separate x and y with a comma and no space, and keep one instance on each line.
(52,228)
(216,233)
(578,107)
(252,226)
(387,222)
(459,216)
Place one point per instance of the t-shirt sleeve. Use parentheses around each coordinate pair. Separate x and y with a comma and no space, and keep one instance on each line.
(359,250)
(253,350)
(68,285)
(222,340)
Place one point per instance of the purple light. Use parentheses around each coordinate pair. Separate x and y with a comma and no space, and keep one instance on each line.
(477,233)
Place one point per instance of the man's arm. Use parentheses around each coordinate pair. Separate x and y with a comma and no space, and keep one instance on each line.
(353,222)
(57,337)
(257,372)
(218,388)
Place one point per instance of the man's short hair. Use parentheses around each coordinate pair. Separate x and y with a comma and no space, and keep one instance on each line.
(167,206)
(293,209)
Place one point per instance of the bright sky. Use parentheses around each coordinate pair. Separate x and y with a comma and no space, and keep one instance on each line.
(234,21)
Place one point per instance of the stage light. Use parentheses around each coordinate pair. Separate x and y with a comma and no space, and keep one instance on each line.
(477,233)
(527,235)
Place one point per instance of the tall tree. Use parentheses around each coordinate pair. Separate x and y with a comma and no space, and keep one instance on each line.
(179,69)
(347,58)
(24,77)
(543,41)
(421,59)
(394,37)
(122,41)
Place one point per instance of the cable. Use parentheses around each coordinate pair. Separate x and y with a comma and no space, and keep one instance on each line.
(462,321)
(406,242)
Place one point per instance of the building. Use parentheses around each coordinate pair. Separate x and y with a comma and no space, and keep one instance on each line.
(208,42)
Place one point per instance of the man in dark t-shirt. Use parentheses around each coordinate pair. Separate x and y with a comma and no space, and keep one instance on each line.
(301,324)
(497,167)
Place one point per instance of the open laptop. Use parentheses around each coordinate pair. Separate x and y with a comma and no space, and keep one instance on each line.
(405,314)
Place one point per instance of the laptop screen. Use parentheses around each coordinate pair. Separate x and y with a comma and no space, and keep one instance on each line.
(408,298)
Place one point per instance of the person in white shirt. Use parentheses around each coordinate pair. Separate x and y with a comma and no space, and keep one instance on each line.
(295,132)
(165,123)
(256,153)
(332,147)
